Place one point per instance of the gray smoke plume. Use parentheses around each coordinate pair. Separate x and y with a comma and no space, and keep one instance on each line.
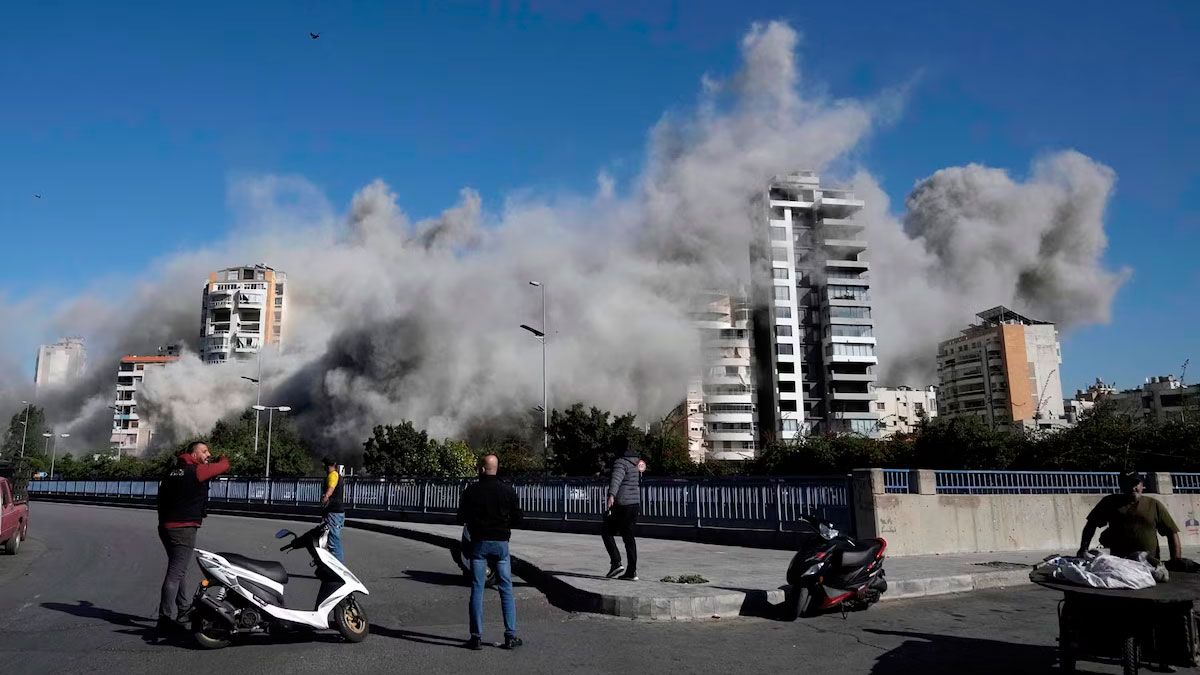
(391,319)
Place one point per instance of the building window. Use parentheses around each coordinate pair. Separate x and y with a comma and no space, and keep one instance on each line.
(779,272)
(279,289)
(784,312)
(783,330)
(785,367)
(841,330)
(732,334)
(880,405)
(779,254)
(864,427)
(778,234)
(787,406)
(837,292)
(788,386)
(783,293)
(791,425)
(838,312)
(784,348)
(731,370)
(840,349)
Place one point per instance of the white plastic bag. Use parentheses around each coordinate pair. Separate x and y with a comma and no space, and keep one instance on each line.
(1106,571)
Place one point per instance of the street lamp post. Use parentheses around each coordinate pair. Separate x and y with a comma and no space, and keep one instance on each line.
(541,337)
(24,427)
(270,413)
(54,454)
(258,396)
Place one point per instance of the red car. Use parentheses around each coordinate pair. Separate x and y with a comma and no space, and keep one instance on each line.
(14,519)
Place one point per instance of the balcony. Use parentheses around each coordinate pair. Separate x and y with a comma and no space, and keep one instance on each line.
(853,396)
(840,204)
(246,301)
(221,303)
(848,264)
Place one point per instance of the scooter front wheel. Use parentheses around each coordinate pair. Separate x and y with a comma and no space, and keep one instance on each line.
(350,619)
(797,602)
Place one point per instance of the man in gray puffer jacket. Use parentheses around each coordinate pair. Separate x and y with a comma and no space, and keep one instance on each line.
(624,503)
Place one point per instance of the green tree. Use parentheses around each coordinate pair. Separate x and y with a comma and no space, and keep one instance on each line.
(402,450)
(517,456)
(17,429)
(666,452)
(234,438)
(584,442)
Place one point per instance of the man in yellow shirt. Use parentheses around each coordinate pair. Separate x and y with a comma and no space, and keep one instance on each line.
(332,511)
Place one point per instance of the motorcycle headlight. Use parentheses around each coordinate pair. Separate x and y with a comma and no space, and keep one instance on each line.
(827,531)
(812,570)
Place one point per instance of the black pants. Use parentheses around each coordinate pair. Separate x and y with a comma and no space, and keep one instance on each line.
(180,545)
(621,520)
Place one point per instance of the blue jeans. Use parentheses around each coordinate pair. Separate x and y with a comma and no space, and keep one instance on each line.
(335,521)
(496,553)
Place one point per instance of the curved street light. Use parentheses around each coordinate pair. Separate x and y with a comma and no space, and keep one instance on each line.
(270,413)
(540,335)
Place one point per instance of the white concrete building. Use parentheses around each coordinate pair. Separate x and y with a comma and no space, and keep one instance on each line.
(815,340)
(1075,408)
(1161,398)
(243,309)
(901,410)
(1004,370)
(720,403)
(132,433)
(60,363)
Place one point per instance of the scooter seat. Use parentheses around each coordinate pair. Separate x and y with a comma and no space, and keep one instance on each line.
(268,568)
(860,554)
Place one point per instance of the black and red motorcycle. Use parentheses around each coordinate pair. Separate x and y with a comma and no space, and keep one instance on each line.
(833,571)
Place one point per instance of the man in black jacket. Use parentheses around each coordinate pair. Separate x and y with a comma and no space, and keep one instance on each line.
(490,509)
(182,502)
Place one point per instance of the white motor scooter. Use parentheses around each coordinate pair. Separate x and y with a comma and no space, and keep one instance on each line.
(240,595)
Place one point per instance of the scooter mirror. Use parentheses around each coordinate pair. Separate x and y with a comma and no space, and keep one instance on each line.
(283,533)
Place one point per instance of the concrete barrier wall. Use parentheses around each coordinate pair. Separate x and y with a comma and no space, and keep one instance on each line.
(917,524)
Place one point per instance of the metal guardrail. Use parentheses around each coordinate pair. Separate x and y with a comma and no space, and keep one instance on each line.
(1025,482)
(1185,482)
(895,481)
(752,504)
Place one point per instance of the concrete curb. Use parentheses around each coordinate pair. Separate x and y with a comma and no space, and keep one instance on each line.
(960,583)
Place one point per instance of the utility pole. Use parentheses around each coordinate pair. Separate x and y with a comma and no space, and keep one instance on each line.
(541,336)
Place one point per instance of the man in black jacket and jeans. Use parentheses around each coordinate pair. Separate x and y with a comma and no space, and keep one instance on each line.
(490,509)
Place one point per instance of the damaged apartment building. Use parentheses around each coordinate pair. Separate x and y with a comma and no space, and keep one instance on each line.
(806,327)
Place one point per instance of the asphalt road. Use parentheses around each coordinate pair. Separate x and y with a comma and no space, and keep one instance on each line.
(82,595)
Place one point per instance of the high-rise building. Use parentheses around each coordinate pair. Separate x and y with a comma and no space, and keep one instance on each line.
(132,433)
(901,410)
(243,309)
(60,363)
(718,413)
(1004,370)
(814,336)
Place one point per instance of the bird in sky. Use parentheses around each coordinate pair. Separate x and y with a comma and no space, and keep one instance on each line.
(314,36)
(37,196)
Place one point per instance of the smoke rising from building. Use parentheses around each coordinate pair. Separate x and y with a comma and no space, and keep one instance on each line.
(391,319)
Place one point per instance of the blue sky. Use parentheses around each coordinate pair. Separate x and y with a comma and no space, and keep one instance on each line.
(131,119)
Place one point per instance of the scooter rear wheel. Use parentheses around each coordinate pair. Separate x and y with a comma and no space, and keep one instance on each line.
(209,633)
(350,619)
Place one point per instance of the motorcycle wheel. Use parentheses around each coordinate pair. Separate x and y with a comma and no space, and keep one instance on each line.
(797,602)
(350,620)
(209,633)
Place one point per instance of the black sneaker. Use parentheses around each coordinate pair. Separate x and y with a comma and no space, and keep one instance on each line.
(628,576)
(474,644)
(615,570)
(512,642)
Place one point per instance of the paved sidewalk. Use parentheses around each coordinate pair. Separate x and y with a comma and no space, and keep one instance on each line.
(741,581)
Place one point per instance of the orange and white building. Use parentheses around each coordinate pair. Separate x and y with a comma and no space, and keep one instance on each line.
(1004,370)
(243,309)
(132,432)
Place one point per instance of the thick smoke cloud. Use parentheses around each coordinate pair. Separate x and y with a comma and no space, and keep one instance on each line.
(391,319)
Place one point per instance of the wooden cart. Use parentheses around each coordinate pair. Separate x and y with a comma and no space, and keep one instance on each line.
(1154,625)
